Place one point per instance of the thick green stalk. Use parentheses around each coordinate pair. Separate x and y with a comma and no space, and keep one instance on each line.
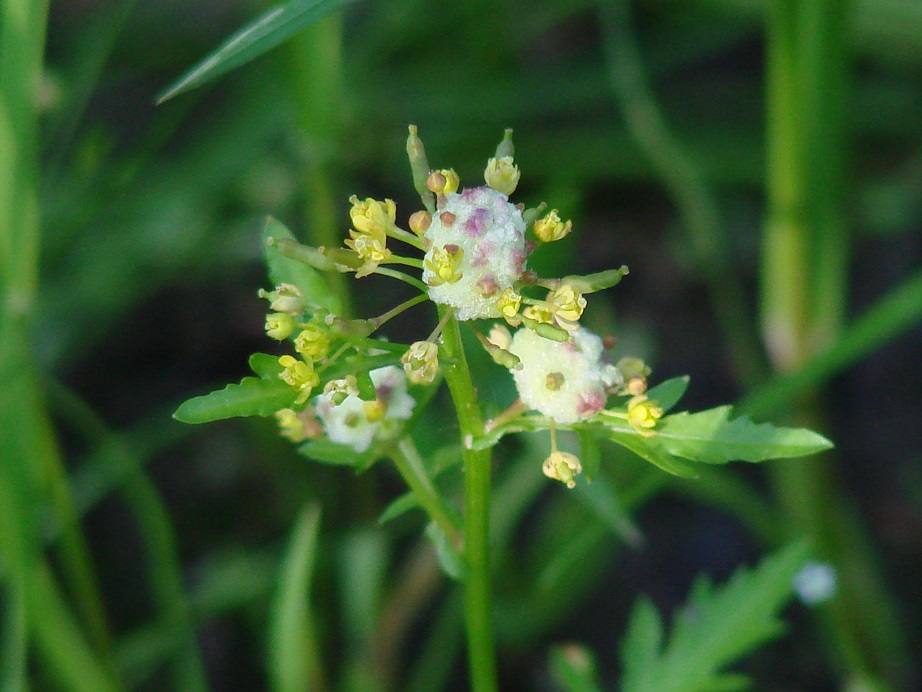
(477,468)
(803,291)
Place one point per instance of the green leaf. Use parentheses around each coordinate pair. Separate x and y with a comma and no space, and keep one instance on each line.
(252,397)
(293,651)
(710,437)
(273,28)
(716,627)
(648,449)
(589,454)
(287,270)
(335,454)
(668,393)
(450,560)
(266,366)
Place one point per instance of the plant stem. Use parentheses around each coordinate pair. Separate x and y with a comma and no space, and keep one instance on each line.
(803,290)
(408,461)
(477,467)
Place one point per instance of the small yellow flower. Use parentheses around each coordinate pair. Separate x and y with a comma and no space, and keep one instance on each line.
(279,325)
(508,304)
(643,414)
(551,228)
(444,264)
(313,342)
(502,175)
(563,467)
(421,362)
(567,304)
(374,410)
(373,217)
(443,182)
(539,313)
(298,427)
(300,375)
(285,298)
(372,249)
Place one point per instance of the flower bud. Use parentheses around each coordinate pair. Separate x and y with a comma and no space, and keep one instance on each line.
(563,467)
(338,390)
(285,298)
(313,341)
(421,362)
(279,325)
(419,165)
(508,304)
(420,222)
(551,228)
(299,375)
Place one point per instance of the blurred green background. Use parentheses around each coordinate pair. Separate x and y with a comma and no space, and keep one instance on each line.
(643,122)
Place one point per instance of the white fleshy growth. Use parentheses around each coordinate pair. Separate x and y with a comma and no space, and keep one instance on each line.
(490,232)
(564,381)
(348,422)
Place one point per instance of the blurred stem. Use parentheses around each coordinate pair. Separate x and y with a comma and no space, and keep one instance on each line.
(317,89)
(30,461)
(803,291)
(686,183)
(153,519)
(410,464)
(477,468)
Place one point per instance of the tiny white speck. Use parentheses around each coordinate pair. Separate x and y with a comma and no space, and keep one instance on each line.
(815,583)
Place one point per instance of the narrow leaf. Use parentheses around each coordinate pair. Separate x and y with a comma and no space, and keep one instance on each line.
(273,28)
(293,654)
(710,437)
(252,397)
(266,366)
(284,269)
(327,452)
(450,560)
(668,393)
(648,449)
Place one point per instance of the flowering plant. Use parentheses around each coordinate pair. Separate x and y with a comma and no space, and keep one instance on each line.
(347,395)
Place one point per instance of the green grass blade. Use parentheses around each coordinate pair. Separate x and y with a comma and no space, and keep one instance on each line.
(294,659)
(267,32)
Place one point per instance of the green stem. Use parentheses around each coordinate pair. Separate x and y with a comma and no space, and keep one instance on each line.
(803,291)
(477,467)
(410,464)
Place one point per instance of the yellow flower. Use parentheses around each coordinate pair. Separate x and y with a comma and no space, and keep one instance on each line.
(643,414)
(563,467)
(539,313)
(298,427)
(443,182)
(567,304)
(300,375)
(313,342)
(502,175)
(551,228)
(279,325)
(373,217)
(508,304)
(444,263)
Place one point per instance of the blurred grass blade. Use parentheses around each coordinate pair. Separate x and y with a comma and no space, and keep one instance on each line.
(294,661)
(573,668)
(267,32)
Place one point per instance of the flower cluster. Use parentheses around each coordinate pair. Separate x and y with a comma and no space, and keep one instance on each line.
(475,245)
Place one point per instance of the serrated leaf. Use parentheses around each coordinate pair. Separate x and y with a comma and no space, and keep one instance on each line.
(648,449)
(284,269)
(717,627)
(668,393)
(710,437)
(271,29)
(266,366)
(251,397)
